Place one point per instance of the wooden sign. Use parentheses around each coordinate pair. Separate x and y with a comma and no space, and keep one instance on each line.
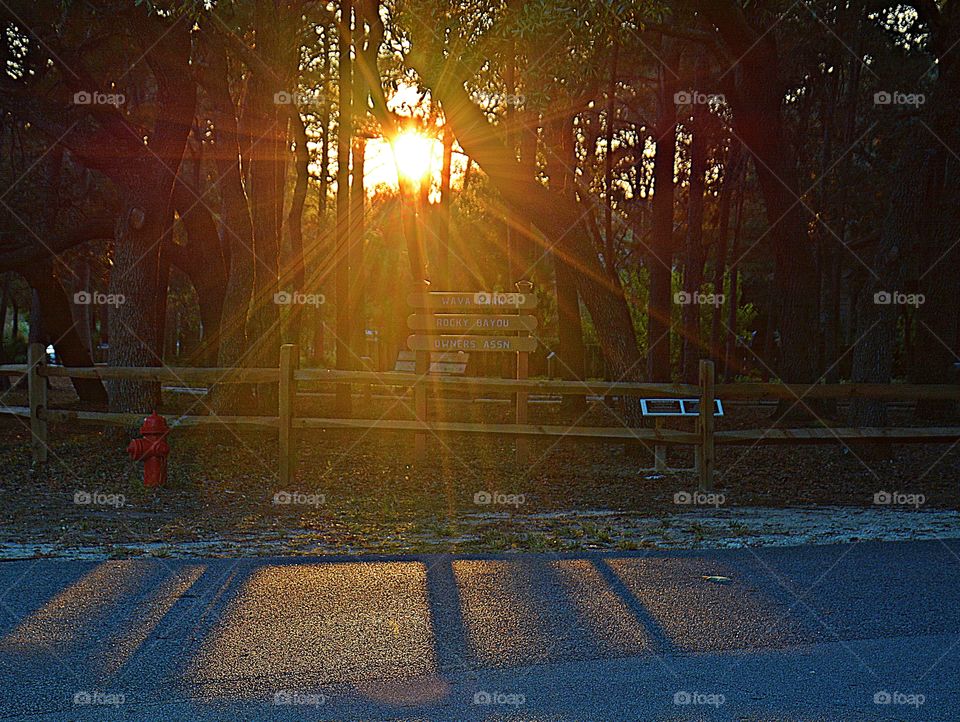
(471,343)
(481,301)
(469,323)
(440,363)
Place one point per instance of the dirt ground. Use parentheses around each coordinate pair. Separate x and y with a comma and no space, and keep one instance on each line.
(362,491)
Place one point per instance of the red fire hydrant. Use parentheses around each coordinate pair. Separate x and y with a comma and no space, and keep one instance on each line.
(152,450)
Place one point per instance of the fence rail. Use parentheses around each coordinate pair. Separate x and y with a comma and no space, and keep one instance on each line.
(288,376)
(730,391)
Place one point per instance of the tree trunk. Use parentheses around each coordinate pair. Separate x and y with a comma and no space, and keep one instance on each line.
(936,340)
(269,128)
(528,252)
(660,259)
(731,365)
(356,255)
(561,164)
(442,276)
(609,250)
(236,228)
(876,319)
(202,261)
(4,305)
(693,265)
(296,270)
(83,313)
(268,121)
(145,181)
(136,327)
(835,256)
(759,124)
(58,327)
(731,174)
(36,334)
(344,137)
(328,32)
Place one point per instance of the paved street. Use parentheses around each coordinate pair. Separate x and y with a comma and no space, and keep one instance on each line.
(812,632)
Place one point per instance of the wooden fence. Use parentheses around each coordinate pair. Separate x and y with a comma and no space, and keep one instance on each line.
(289,376)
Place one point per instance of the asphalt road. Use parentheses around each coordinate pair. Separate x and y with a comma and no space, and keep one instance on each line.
(847,632)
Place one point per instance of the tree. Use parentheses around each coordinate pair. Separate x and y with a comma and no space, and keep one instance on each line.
(139,156)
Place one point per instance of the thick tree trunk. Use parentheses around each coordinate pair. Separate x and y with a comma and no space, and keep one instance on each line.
(759,124)
(136,327)
(144,176)
(937,342)
(876,319)
(236,227)
(266,119)
(936,339)
(58,328)
(269,127)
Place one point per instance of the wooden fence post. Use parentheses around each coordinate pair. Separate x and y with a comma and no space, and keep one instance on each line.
(707,457)
(37,393)
(422,369)
(289,362)
(659,450)
(524,287)
(523,371)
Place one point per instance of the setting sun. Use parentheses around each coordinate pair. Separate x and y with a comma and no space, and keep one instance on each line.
(413,154)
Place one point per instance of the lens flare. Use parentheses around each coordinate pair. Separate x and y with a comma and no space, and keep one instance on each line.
(412,153)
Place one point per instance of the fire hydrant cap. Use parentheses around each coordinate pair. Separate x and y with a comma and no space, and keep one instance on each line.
(154,424)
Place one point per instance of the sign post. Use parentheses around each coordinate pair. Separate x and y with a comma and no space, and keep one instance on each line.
(706,424)
(448,323)
(524,289)
(421,369)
